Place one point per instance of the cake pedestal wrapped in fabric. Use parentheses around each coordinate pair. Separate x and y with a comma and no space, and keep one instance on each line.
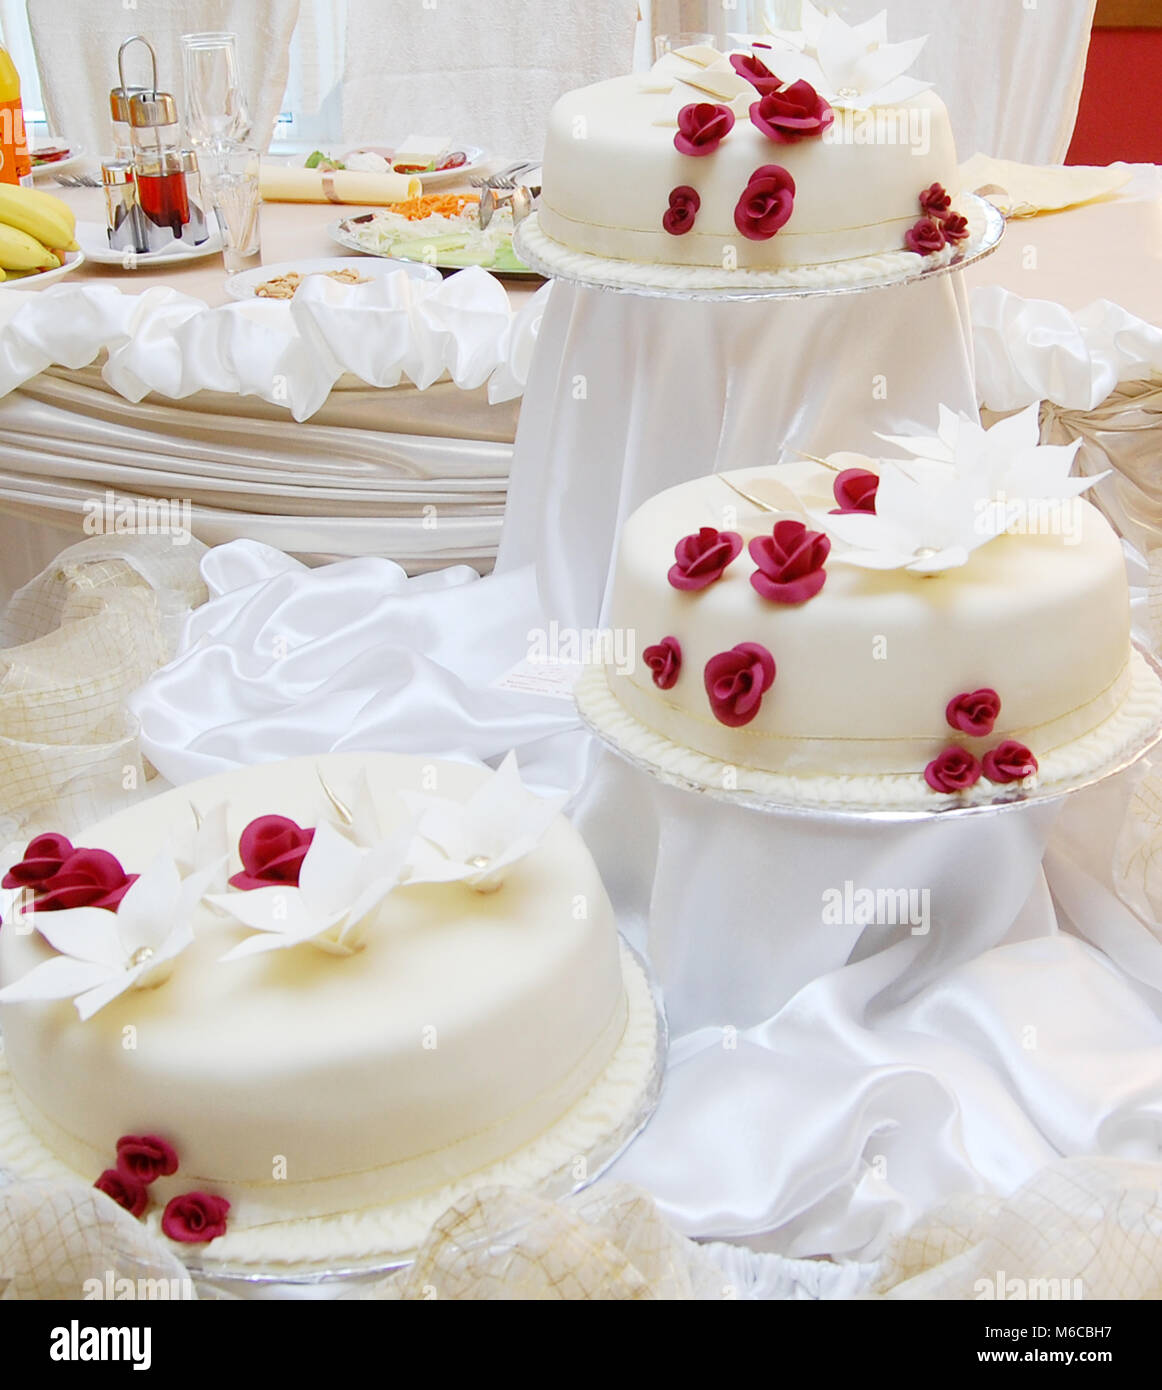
(715,386)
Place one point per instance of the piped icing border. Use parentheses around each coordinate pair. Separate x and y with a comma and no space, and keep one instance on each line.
(1122,734)
(596,1127)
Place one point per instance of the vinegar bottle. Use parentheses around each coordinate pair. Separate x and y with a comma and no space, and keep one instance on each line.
(15,165)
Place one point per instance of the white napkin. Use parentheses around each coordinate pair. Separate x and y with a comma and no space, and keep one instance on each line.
(1033,349)
(291,354)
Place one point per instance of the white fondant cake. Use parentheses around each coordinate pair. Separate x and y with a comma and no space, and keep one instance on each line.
(471,1025)
(656,169)
(844,660)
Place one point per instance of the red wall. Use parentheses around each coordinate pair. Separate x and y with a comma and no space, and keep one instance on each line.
(1120,116)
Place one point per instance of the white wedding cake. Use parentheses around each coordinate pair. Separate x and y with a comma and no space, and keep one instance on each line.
(813,151)
(288,1014)
(947,625)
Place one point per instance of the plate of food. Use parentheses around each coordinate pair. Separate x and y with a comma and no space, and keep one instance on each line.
(434,160)
(436,229)
(282,281)
(52,155)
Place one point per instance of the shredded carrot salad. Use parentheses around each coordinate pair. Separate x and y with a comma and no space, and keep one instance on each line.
(434,204)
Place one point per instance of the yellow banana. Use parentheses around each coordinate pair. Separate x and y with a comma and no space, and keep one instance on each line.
(19,251)
(49,220)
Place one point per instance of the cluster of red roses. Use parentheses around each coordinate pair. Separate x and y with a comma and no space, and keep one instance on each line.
(193,1218)
(60,876)
(785,114)
(956,769)
(939,227)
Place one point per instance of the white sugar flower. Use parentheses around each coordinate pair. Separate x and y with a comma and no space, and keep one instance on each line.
(852,66)
(340,884)
(101,953)
(477,841)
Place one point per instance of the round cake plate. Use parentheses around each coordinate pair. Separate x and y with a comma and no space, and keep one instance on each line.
(603,273)
(238,1281)
(837,813)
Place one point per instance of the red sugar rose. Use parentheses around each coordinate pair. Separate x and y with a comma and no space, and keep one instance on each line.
(855,491)
(790,562)
(195,1218)
(755,71)
(766,203)
(43,857)
(1009,761)
(925,237)
(86,878)
(954,227)
(974,712)
(679,217)
(272,849)
(935,201)
(954,770)
(795,113)
(701,558)
(125,1190)
(145,1157)
(702,127)
(665,662)
(736,682)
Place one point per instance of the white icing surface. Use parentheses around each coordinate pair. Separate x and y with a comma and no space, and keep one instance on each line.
(463,1031)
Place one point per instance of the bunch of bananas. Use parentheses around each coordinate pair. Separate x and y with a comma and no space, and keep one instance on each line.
(36,230)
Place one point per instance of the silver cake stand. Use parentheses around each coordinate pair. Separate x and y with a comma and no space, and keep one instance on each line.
(841,813)
(557,262)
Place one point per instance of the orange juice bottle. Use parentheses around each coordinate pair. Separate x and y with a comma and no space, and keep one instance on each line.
(15,165)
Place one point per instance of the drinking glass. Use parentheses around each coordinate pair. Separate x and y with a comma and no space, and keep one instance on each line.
(216,112)
(233,186)
(664,43)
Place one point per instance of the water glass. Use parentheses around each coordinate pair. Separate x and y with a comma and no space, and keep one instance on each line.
(216,112)
(665,43)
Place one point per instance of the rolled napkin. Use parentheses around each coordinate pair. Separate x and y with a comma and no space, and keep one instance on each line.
(282,183)
(1034,188)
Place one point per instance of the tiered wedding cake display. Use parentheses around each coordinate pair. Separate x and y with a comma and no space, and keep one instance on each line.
(289,1013)
(946,625)
(811,158)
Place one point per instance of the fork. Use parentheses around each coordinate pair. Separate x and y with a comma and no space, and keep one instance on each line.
(495,180)
(77,181)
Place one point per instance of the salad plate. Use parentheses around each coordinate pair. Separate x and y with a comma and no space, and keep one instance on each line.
(439,230)
(458,165)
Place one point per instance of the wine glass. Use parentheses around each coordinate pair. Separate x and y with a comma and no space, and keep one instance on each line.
(216,112)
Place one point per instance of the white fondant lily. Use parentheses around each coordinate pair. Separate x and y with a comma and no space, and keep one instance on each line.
(852,66)
(811,23)
(340,883)
(201,843)
(477,841)
(101,954)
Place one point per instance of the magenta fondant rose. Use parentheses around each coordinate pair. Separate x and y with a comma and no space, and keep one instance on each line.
(87,878)
(702,127)
(736,682)
(43,857)
(195,1217)
(955,770)
(975,712)
(679,217)
(272,850)
(935,201)
(125,1190)
(855,491)
(766,203)
(145,1157)
(795,113)
(954,227)
(701,558)
(1009,761)
(755,71)
(664,660)
(790,562)
(925,237)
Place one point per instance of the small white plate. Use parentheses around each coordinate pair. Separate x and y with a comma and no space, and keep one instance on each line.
(73,160)
(246,282)
(476,157)
(93,239)
(46,277)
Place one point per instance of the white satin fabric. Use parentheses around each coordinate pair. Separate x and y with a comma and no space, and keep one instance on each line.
(827,1083)
(288,352)
(715,386)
